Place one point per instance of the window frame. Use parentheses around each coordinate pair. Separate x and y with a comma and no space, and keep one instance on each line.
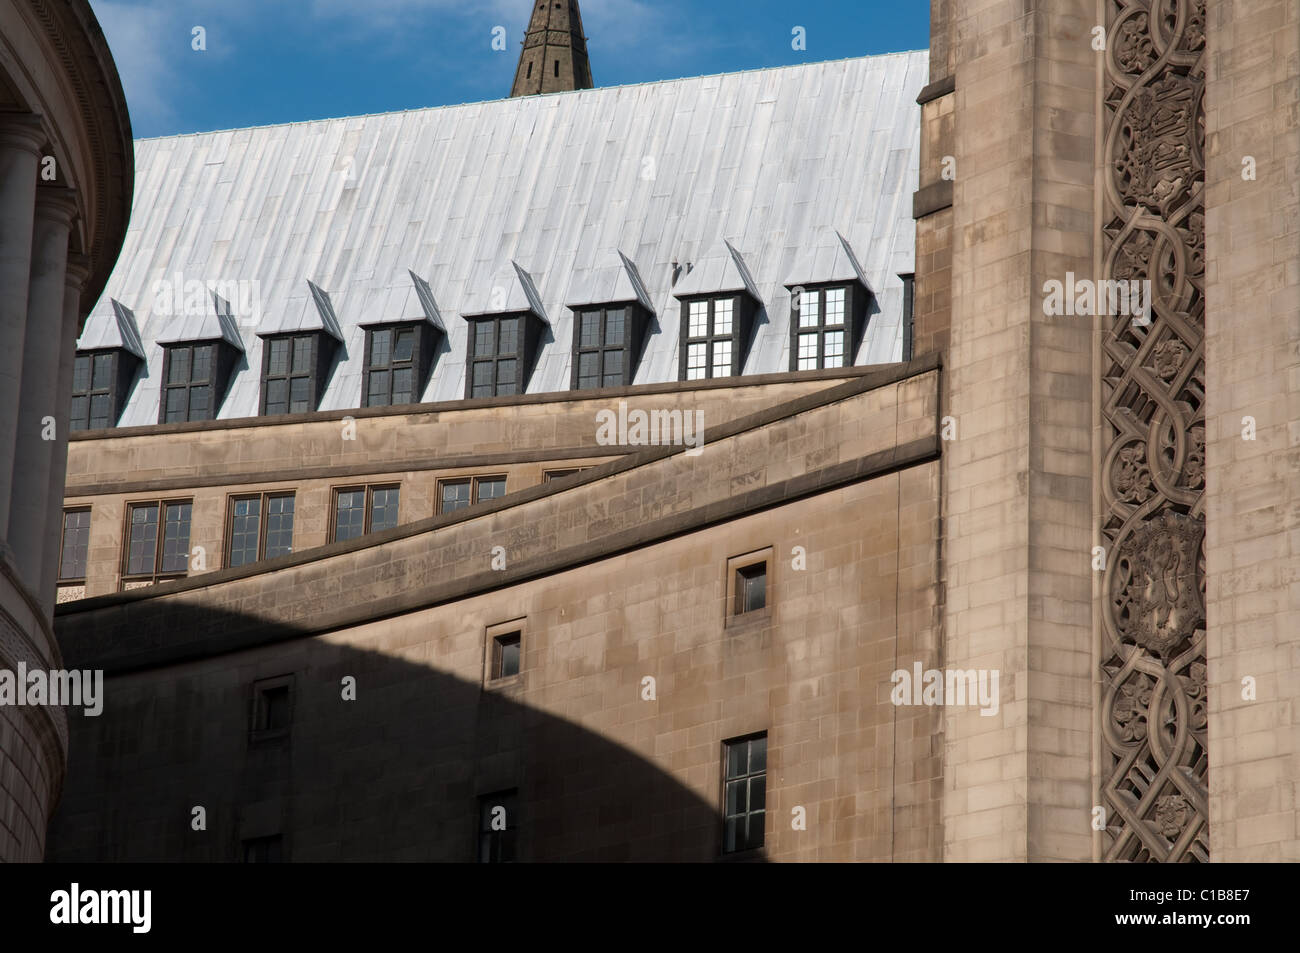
(512,826)
(91,391)
(259,690)
(420,362)
(368,517)
(561,472)
(63,580)
(473,481)
(857,300)
(491,635)
(747,851)
(525,354)
(264,498)
(742,319)
(635,321)
(157,575)
(734,567)
(311,374)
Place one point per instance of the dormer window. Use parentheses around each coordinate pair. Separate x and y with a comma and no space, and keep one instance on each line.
(502,350)
(397,362)
(195,376)
(607,345)
(293,368)
(823,326)
(714,331)
(100,382)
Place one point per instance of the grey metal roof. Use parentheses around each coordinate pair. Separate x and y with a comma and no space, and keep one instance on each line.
(114,327)
(538,196)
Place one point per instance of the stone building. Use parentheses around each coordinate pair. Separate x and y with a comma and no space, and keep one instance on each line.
(393,526)
(65,192)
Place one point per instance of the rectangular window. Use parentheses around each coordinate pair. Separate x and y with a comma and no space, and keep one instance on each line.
(360,510)
(76,544)
(549,475)
(498,827)
(272,708)
(261,527)
(289,374)
(744,793)
(710,339)
(189,383)
(505,654)
(751,588)
(458,494)
(158,541)
(264,850)
(600,348)
(92,391)
(496,355)
(392,366)
(820,328)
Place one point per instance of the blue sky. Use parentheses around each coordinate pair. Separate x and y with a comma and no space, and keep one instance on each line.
(272,61)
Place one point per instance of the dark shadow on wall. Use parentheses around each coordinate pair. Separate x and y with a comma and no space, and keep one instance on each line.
(396,774)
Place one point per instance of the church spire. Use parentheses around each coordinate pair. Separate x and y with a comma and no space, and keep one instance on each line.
(554,58)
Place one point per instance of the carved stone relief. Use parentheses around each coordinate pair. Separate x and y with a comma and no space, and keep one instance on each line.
(1153,717)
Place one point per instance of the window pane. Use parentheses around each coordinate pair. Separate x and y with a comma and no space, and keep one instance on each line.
(302,355)
(455,496)
(722,315)
(808,309)
(482,379)
(736,801)
(202,370)
(76,541)
(299,396)
(378,395)
(506,378)
(483,338)
(404,346)
(103,371)
(278,356)
(279,525)
(176,538)
(808,352)
(699,319)
(81,374)
(721,358)
(589,330)
(245,522)
(143,544)
(277,396)
(350,514)
(835,306)
(614,327)
(177,404)
(758,754)
(834,349)
(199,409)
(613,368)
(755,839)
(383,513)
(178,365)
(79,418)
(379,347)
(737,759)
(507,661)
(588,370)
(697,366)
(491,488)
(402,379)
(99,411)
(508,340)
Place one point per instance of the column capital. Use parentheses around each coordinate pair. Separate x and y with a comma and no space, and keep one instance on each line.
(57,204)
(78,270)
(22,131)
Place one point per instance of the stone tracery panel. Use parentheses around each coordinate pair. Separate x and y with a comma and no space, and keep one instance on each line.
(1153,717)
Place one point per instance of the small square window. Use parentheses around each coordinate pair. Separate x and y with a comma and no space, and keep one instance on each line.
(505,655)
(748,595)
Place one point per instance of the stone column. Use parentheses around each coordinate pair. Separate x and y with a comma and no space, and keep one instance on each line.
(78,271)
(38,405)
(21,138)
